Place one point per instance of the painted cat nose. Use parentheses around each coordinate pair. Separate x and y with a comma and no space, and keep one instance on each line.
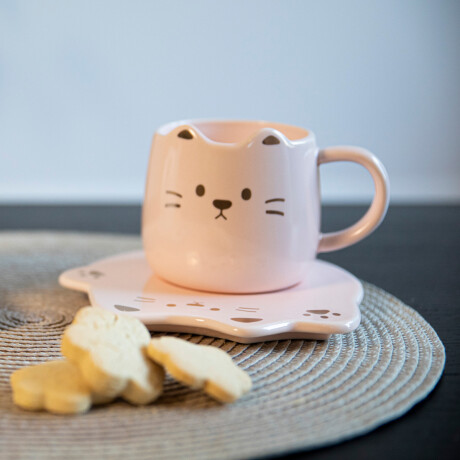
(222,204)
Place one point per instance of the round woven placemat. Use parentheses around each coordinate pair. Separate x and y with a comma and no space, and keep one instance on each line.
(306,393)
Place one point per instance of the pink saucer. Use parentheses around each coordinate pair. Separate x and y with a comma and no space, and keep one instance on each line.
(326,303)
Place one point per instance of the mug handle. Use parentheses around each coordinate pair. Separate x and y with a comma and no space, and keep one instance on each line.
(377,210)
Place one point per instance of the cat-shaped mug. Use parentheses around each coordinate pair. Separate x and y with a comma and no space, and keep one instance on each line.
(234,206)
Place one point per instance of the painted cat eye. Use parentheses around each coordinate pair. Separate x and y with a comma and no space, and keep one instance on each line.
(246,194)
(199,190)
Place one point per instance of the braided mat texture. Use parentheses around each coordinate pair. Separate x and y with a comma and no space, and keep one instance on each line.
(306,393)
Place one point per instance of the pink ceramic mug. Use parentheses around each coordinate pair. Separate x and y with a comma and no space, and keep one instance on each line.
(234,206)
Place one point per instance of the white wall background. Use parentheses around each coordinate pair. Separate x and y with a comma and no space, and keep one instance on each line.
(84,84)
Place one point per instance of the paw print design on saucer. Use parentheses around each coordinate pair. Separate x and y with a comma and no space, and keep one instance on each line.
(327,303)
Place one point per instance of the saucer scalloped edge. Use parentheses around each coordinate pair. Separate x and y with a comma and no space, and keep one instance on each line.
(326,303)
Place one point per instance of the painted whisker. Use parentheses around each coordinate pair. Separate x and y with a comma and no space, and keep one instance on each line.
(174,193)
(275,212)
(275,199)
(172,205)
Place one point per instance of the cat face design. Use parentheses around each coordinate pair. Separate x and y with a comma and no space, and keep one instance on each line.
(222,204)
(219,204)
(200,195)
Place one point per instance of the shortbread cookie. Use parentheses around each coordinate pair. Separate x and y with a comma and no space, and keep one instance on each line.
(201,366)
(56,386)
(110,351)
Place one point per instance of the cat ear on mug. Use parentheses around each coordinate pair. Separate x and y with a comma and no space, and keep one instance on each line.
(271,140)
(186,133)
(269,137)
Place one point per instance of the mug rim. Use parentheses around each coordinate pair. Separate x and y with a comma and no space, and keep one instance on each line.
(281,129)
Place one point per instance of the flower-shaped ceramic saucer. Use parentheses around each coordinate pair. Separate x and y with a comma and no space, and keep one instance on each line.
(326,303)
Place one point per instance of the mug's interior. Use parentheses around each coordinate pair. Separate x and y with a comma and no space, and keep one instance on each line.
(238,131)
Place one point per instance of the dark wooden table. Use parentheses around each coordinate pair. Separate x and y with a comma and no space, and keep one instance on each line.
(415,255)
